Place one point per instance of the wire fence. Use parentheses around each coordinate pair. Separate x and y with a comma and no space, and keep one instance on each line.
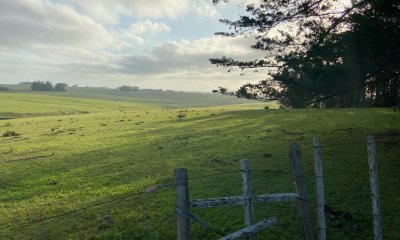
(345,208)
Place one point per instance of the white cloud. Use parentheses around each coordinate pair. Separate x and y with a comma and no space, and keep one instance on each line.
(187,55)
(107,11)
(147,26)
(31,23)
(137,33)
(110,12)
(181,65)
(204,9)
(27,23)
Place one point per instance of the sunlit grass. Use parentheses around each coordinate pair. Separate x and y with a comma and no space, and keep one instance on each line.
(121,148)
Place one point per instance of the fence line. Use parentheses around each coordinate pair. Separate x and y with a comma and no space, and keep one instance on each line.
(148,190)
(247,199)
(279,172)
(213,175)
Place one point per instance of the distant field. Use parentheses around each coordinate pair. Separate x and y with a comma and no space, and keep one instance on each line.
(70,152)
(26,105)
(164,99)
(22,102)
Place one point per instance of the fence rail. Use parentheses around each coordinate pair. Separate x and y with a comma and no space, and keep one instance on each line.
(247,200)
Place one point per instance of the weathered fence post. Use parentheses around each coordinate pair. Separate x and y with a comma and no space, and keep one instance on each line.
(319,179)
(182,204)
(373,176)
(247,193)
(300,184)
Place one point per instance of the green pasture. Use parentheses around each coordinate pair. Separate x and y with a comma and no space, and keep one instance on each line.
(16,105)
(160,98)
(69,153)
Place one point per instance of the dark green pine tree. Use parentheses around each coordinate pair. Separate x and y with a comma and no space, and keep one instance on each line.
(337,56)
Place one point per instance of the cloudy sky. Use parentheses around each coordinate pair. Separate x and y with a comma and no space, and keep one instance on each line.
(147,43)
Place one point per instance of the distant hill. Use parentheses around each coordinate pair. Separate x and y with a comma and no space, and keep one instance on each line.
(162,98)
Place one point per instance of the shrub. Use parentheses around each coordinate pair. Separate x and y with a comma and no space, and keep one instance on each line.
(42,86)
(60,87)
(10,134)
(181,114)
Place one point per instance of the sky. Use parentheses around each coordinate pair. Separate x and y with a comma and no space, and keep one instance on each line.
(155,44)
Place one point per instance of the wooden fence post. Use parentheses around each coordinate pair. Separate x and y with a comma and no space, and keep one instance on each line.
(319,178)
(182,204)
(247,193)
(373,177)
(300,184)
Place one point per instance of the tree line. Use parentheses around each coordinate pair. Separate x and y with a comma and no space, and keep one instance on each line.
(127,88)
(48,86)
(321,52)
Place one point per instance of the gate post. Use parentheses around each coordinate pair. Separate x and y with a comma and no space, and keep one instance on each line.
(373,176)
(300,184)
(182,204)
(319,178)
(247,193)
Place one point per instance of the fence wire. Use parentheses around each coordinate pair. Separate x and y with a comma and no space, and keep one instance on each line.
(132,195)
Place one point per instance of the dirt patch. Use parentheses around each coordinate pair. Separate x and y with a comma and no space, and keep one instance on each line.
(390,136)
(53,133)
(292,132)
(349,130)
(267,155)
(216,162)
(10,134)
(342,129)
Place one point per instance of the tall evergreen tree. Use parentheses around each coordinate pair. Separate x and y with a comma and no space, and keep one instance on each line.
(324,52)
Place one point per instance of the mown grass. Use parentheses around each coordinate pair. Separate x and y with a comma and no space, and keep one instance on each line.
(112,152)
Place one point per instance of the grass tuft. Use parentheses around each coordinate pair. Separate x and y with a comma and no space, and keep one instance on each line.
(10,134)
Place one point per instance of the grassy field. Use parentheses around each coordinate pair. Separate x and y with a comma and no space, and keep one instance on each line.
(156,98)
(84,160)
